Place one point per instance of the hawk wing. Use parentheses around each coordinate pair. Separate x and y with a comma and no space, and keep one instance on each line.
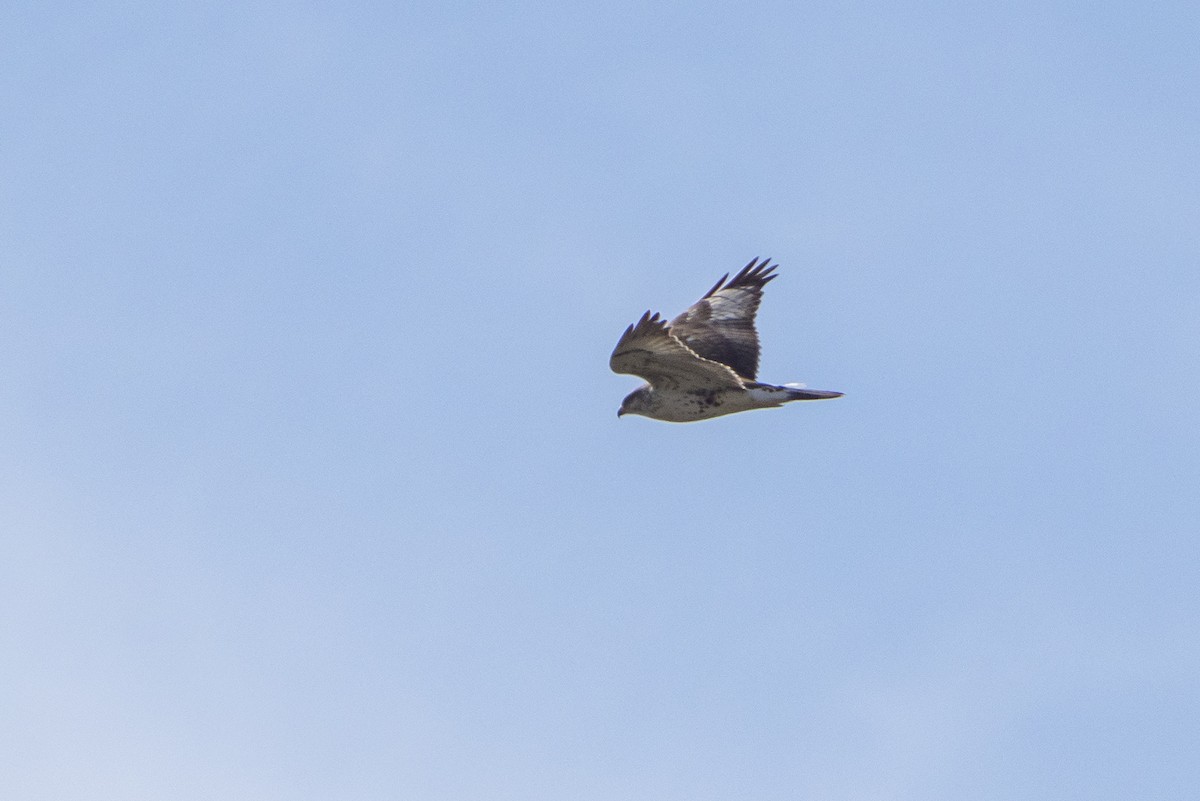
(648,349)
(720,326)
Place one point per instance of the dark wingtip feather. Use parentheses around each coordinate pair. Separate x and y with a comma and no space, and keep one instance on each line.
(716,287)
(759,272)
(649,319)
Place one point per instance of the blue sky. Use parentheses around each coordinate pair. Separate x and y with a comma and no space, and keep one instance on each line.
(314,486)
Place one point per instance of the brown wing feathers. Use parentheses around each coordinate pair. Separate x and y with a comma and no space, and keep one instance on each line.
(720,326)
(649,349)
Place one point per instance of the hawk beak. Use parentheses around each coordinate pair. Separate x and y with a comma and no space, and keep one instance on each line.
(619,413)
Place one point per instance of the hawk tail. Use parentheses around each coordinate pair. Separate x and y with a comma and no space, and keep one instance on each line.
(790,392)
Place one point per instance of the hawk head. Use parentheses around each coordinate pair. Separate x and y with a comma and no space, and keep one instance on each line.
(639,401)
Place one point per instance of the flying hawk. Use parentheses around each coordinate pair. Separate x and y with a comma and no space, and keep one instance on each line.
(703,363)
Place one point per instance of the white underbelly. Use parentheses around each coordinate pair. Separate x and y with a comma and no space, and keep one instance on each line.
(684,407)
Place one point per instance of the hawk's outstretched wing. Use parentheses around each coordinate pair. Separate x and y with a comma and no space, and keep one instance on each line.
(720,326)
(648,349)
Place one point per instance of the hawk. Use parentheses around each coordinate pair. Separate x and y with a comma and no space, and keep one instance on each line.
(703,363)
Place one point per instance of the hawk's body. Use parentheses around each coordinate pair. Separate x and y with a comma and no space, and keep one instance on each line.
(703,363)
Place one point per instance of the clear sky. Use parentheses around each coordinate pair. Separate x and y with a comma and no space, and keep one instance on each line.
(313,484)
